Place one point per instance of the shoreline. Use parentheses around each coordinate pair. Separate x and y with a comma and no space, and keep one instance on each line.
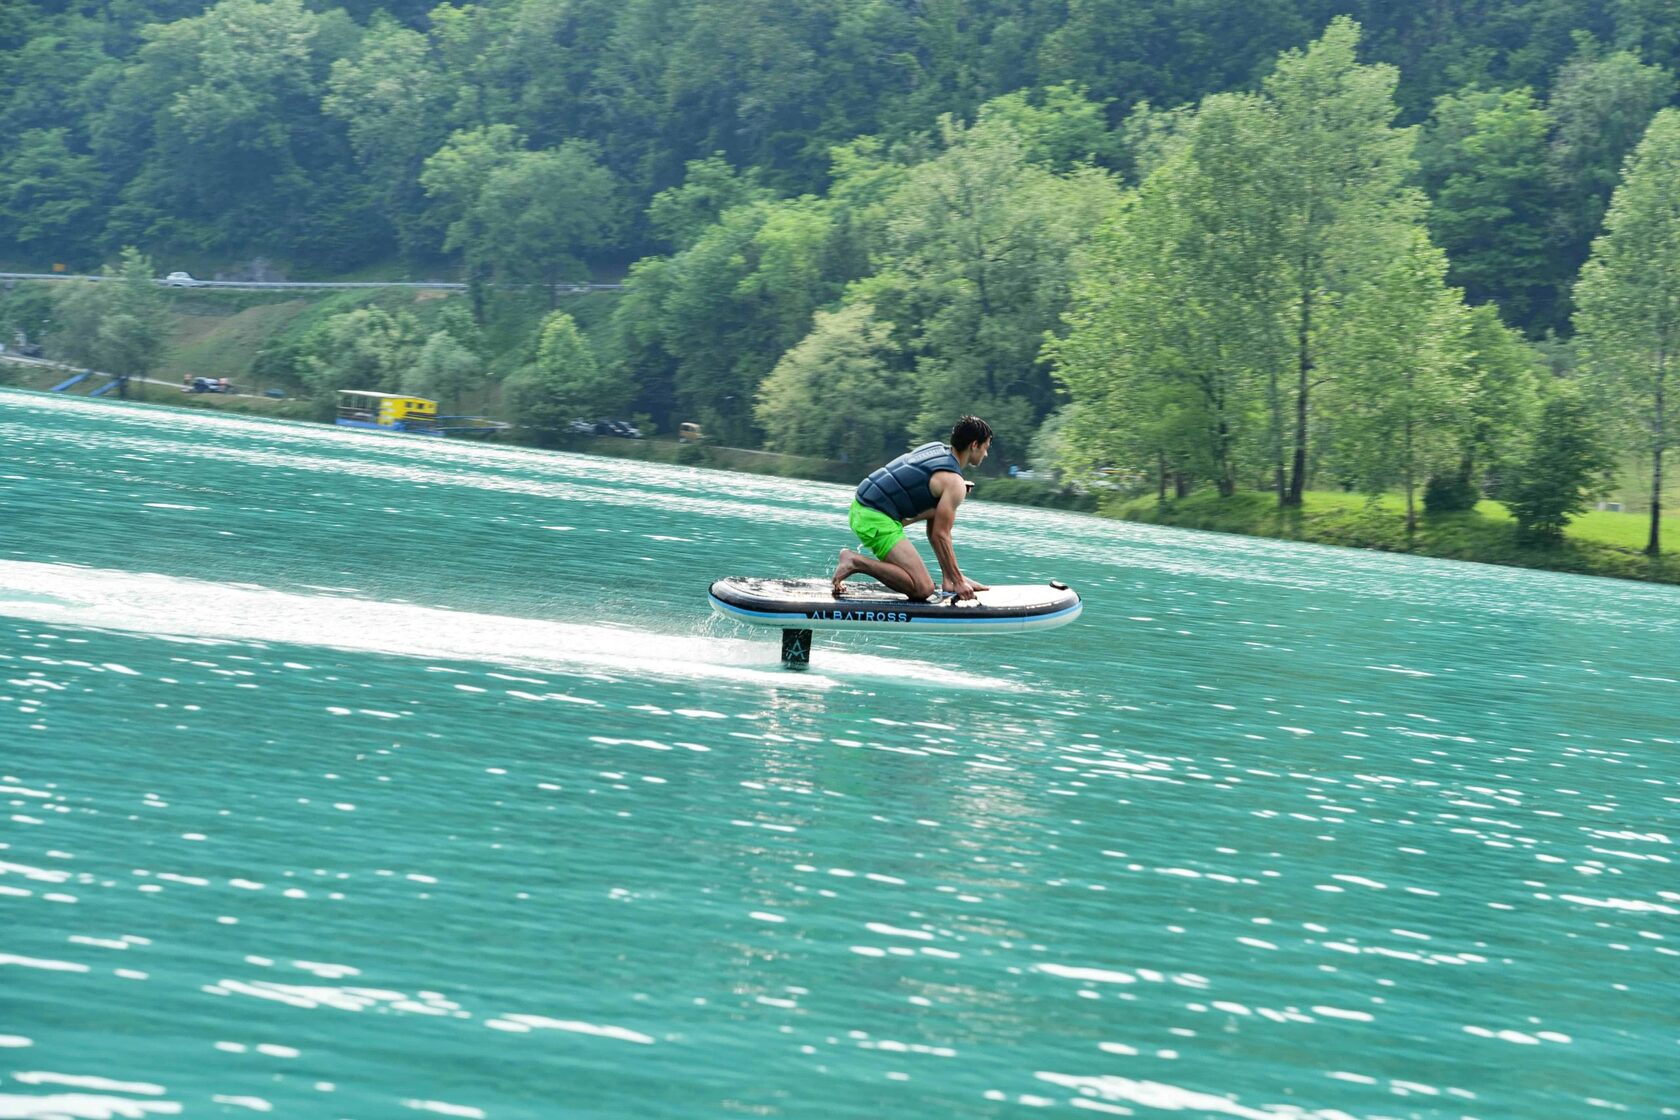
(1484,536)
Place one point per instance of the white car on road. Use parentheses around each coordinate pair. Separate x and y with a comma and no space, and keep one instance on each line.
(181,280)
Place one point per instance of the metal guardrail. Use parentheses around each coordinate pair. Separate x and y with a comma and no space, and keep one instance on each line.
(295,285)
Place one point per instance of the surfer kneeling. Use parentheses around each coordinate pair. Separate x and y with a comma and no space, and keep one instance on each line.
(923,485)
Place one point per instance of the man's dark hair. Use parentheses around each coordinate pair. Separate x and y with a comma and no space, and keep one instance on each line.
(969,430)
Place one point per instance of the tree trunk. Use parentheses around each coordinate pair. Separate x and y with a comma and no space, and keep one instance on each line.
(1225,476)
(1181,484)
(1275,407)
(1411,489)
(475,292)
(1161,469)
(1298,479)
(1654,546)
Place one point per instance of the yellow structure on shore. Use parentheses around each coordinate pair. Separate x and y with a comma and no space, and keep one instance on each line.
(399,412)
(396,411)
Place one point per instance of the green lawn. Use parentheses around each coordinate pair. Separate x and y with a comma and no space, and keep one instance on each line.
(1619,530)
(1596,543)
(206,343)
(1624,530)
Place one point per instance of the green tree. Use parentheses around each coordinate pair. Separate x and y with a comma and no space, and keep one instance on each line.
(27,309)
(1130,360)
(627,95)
(1174,338)
(1494,428)
(1061,127)
(215,131)
(457,320)
(562,383)
(117,324)
(1339,172)
(390,97)
(1170,53)
(1049,449)
(980,250)
(50,197)
(1149,135)
(48,73)
(1648,29)
(634,341)
(453,178)
(790,248)
(840,392)
(444,368)
(745,77)
(1483,161)
(871,67)
(679,215)
(368,349)
(283,126)
(1223,304)
(711,321)
(1628,322)
(1566,467)
(1601,105)
(520,216)
(541,213)
(454,175)
(533,64)
(1399,346)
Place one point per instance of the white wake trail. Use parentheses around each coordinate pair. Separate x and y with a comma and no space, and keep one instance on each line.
(175,607)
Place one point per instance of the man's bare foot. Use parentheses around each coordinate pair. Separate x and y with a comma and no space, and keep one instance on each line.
(848,566)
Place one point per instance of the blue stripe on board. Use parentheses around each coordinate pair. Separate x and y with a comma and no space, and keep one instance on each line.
(800,617)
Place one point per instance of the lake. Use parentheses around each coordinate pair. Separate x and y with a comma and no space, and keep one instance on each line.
(355,775)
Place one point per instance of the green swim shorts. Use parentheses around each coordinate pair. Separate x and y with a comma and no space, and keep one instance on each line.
(876,530)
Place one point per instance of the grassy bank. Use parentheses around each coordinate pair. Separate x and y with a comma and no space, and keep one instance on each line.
(42,378)
(669,450)
(255,338)
(1029,492)
(1597,543)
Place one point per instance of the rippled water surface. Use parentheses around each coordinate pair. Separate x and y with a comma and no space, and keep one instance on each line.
(346,775)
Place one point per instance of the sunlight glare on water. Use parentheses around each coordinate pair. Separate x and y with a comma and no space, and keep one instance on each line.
(353,775)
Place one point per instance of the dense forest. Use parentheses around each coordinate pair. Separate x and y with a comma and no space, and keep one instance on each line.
(1235,243)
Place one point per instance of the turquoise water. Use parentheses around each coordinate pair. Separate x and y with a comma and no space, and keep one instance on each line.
(348,775)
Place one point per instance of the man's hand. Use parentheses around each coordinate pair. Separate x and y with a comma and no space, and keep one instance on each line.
(963,588)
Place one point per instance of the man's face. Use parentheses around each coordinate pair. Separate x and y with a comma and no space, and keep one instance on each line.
(978,452)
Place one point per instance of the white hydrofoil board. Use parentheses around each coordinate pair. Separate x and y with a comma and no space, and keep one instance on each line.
(810,604)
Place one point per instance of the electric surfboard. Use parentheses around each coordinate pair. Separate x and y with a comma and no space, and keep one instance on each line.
(799,606)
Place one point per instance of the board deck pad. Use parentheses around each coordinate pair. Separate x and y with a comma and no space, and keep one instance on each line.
(810,604)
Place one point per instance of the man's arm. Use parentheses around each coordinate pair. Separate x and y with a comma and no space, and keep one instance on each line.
(939,536)
(968,488)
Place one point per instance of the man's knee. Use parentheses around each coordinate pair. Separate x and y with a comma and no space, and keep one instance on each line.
(918,583)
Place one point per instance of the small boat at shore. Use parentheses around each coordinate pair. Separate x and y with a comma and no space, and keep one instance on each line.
(398,412)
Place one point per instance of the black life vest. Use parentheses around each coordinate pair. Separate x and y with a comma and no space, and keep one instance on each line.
(900,489)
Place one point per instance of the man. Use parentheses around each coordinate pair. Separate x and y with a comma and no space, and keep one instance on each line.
(923,485)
